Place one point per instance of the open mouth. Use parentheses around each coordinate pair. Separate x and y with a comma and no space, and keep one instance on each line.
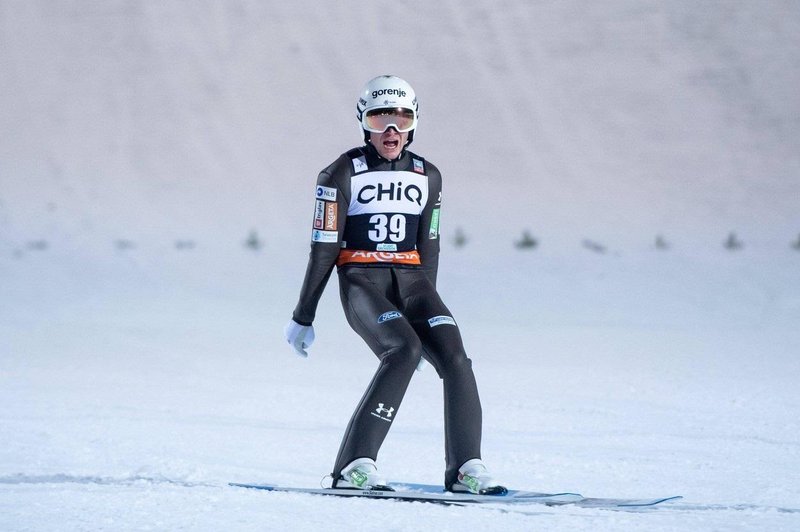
(391,144)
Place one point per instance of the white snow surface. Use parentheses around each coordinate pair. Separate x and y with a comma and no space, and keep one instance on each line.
(142,365)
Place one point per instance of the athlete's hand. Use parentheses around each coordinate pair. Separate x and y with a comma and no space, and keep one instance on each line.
(300,337)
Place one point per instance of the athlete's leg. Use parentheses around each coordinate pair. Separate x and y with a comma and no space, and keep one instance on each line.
(444,349)
(366,297)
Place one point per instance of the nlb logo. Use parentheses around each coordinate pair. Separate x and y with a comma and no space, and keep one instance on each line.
(326,193)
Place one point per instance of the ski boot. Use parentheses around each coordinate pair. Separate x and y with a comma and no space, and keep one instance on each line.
(473,477)
(361,474)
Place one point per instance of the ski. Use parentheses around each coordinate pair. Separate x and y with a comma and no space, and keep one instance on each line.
(401,493)
(574,500)
(599,502)
(429,493)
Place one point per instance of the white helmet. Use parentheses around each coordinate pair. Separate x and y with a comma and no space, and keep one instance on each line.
(388,93)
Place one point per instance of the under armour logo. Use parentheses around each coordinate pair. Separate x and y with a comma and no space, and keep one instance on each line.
(381,410)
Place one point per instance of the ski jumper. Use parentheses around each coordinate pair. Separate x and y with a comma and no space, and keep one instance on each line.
(378,222)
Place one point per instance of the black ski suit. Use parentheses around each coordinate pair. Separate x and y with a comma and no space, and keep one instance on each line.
(378,220)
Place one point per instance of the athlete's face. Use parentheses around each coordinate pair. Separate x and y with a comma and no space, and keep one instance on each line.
(389,143)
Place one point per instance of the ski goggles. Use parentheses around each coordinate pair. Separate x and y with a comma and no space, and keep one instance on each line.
(379,120)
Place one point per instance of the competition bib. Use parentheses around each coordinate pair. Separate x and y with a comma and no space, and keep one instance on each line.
(384,211)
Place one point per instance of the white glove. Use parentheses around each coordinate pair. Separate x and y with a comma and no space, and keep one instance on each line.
(300,337)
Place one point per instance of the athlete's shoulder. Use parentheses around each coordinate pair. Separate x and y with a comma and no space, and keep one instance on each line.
(429,167)
(341,169)
(341,165)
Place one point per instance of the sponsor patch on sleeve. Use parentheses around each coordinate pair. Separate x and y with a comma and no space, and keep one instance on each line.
(433,232)
(319,214)
(324,236)
(326,193)
(331,216)
(441,320)
(419,166)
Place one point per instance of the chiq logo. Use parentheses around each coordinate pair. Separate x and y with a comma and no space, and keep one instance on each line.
(392,192)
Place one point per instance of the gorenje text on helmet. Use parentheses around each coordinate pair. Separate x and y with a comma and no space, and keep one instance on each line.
(396,92)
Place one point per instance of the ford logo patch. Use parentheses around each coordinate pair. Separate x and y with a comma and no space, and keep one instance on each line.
(386,316)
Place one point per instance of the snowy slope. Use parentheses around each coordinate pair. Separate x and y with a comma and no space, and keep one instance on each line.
(141,361)
(627,121)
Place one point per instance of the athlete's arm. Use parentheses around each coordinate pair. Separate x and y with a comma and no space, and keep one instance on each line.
(428,232)
(330,213)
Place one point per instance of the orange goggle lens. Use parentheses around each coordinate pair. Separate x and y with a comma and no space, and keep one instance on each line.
(379,120)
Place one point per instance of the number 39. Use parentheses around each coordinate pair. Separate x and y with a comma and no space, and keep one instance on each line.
(383,226)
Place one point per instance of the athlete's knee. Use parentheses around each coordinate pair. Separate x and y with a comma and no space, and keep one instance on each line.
(407,353)
(453,364)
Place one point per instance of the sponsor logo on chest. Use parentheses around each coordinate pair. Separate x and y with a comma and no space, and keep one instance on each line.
(397,192)
(360,164)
